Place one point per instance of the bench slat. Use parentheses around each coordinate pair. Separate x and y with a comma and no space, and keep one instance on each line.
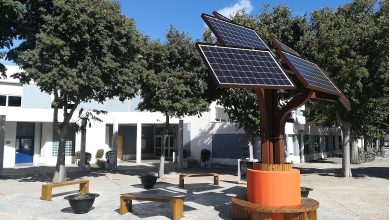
(155,198)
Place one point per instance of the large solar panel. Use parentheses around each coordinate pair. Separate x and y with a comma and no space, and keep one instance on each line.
(314,77)
(244,68)
(231,34)
(218,15)
(284,47)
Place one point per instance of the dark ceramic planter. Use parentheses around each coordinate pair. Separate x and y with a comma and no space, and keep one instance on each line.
(148,181)
(81,202)
(305,191)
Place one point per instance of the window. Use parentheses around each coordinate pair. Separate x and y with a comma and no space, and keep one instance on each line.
(68,148)
(3,100)
(221,115)
(15,101)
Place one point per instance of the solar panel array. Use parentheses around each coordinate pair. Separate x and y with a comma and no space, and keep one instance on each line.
(286,48)
(312,74)
(234,35)
(238,67)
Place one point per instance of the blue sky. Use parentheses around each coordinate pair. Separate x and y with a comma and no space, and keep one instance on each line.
(153,17)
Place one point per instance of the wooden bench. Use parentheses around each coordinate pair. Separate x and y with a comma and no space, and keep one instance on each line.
(47,189)
(243,209)
(126,204)
(182,176)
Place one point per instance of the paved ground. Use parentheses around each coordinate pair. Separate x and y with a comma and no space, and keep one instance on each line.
(365,196)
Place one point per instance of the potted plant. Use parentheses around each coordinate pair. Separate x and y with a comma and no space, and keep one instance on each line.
(205,158)
(148,180)
(305,191)
(81,202)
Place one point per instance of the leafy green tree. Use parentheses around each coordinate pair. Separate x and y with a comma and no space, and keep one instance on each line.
(11,14)
(175,82)
(352,44)
(78,51)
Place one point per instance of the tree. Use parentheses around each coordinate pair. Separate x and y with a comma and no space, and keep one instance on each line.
(352,44)
(242,108)
(78,51)
(11,14)
(175,82)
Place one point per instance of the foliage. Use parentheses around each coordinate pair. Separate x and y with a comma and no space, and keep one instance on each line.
(352,44)
(11,14)
(175,82)
(205,155)
(99,153)
(78,51)
(77,154)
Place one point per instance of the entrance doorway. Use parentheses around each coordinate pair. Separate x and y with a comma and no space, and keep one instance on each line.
(170,147)
(24,142)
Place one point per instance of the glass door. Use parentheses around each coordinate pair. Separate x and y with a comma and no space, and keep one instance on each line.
(169,146)
(24,149)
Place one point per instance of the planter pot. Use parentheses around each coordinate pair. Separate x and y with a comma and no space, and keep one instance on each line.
(81,202)
(148,181)
(305,191)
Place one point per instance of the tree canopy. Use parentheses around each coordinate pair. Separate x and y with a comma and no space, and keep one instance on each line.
(78,51)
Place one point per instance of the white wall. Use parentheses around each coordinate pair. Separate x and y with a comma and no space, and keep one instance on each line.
(9,146)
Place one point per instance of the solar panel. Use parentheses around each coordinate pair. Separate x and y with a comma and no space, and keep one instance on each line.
(284,47)
(314,77)
(244,68)
(231,34)
(218,15)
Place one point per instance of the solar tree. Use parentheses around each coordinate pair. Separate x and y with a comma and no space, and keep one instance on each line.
(242,59)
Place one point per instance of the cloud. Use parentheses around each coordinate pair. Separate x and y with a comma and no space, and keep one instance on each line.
(230,11)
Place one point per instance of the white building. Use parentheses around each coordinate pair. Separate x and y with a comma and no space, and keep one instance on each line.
(29,137)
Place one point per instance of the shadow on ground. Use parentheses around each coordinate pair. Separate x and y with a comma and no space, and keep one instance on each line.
(359,172)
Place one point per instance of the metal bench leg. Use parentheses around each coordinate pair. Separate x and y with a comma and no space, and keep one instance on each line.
(177,209)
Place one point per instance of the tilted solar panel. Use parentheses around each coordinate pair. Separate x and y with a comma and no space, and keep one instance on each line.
(218,15)
(231,34)
(244,68)
(284,47)
(313,76)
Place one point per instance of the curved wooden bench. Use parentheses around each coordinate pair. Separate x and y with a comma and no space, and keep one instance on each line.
(182,176)
(47,189)
(242,209)
(126,204)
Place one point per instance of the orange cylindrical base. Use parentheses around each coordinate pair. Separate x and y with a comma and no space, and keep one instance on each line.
(274,188)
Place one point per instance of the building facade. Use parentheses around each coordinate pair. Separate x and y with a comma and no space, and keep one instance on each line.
(29,138)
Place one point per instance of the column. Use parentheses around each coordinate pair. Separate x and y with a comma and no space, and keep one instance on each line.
(2,140)
(180,146)
(114,145)
(139,143)
(302,148)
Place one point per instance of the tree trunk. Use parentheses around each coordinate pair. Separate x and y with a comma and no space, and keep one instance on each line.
(250,141)
(346,165)
(355,152)
(165,143)
(62,131)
